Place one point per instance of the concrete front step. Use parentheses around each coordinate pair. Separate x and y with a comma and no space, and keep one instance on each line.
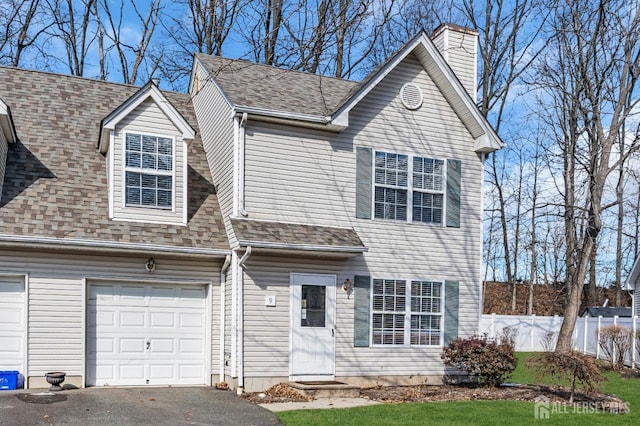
(326,389)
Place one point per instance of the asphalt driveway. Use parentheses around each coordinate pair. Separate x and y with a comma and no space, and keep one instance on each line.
(131,406)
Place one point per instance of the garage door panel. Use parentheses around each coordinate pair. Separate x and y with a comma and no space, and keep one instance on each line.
(145,333)
(162,346)
(191,320)
(196,295)
(162,319)
(132,319)
(191,346)
(162,371)
(189,371)
(104,318)
(132,372)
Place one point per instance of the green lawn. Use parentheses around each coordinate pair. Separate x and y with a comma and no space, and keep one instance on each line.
(476,412)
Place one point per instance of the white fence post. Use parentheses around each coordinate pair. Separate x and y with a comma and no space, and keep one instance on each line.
(533,325)
(584,334)
(493,326)
(598,338)
(634,318)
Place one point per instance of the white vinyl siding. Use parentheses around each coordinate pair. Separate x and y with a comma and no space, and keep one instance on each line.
(148,119)
(57,292)
(215,120)
(308,177)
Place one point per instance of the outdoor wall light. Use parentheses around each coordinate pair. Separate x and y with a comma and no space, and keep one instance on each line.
(346,285)
(150,265)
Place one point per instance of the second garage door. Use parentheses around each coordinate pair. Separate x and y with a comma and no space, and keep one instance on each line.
(146,334)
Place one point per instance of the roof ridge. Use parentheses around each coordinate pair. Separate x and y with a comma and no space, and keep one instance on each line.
(273,67)
(84,78)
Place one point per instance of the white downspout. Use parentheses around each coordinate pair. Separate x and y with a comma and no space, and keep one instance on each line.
(240,320)
(241,143)
(223,289)
(483,157)
(234,312)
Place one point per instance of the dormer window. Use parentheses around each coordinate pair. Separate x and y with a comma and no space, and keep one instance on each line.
(145,141)
(149,179)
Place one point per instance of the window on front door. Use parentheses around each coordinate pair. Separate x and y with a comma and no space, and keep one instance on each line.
(313,306)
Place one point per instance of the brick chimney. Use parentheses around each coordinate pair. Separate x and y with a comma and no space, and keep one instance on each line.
(459,47)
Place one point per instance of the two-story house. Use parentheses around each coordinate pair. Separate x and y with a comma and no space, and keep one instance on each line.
(268,226)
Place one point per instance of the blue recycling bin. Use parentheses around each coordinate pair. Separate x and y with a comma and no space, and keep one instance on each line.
(8,380)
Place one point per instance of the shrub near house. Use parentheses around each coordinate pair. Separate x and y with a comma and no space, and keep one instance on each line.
(490,361)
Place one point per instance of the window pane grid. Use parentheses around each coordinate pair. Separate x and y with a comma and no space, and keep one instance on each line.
(425,330)
(389,304)
(150,183)
(426,298)
(428,174)
(391,179)
(148,190)
(427,207)
(149,152)
(394,193)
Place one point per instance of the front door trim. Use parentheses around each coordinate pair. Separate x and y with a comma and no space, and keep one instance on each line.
(297,280)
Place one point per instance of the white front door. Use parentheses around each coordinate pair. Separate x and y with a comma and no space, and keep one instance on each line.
(313,312)
(146,334)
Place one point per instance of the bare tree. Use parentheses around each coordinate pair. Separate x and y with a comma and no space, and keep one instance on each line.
(22,23)
(589,79)
(131,55)
(71,25)
(201,26)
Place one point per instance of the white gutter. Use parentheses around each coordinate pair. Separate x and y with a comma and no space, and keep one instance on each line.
(70,243)
(283,114)
(241,137)
(305,247)
(240,326)
(223,286)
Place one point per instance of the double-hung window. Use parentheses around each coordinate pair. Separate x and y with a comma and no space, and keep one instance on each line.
(408,188)
(406,314)
(149,171)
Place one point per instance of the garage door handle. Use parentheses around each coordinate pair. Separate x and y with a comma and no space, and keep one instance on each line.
(148,344)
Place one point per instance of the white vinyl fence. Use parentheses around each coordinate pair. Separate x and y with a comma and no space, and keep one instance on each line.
(533,332)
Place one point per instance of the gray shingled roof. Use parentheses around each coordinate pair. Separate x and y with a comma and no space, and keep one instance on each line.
(263,233)
(606,311)
(265,87)
(56,180)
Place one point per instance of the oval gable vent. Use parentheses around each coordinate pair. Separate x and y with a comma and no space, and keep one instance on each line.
(411,96)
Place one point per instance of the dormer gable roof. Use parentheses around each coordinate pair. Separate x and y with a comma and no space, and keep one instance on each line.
(6,123)
(266,91)
(150,90)
(443,76)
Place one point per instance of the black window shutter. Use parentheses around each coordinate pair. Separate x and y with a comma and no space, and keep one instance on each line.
(454,172)
(451,305)
(361,303)
(363,183)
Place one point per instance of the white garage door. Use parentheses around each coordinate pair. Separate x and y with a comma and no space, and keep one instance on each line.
(12,324)
(146,334)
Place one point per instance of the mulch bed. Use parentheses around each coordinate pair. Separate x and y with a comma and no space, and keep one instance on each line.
(461,392)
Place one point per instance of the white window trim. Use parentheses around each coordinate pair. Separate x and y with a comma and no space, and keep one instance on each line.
(141,170)
(410,189)
(407,313)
